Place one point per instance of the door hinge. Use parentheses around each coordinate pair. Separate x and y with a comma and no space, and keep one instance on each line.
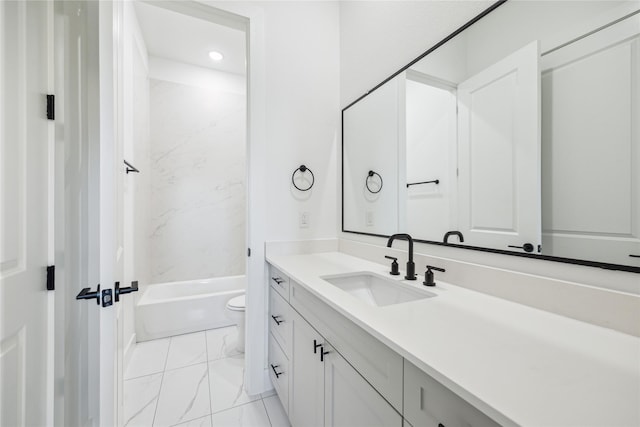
(51,107)
(51,277)
(248,252)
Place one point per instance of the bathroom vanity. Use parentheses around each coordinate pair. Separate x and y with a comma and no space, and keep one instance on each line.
(344,353)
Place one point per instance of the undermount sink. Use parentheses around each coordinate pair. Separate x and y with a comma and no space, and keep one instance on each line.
(376,290)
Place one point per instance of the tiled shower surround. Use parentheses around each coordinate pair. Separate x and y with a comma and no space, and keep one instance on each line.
(197,202)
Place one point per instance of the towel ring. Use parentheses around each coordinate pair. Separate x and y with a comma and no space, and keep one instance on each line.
(303,169)
(366,181)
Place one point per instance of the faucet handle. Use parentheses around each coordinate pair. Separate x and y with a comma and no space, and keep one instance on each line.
(428,275)
(395,270)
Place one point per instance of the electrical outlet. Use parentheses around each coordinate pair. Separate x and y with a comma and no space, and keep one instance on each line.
(370,219)
(305,219)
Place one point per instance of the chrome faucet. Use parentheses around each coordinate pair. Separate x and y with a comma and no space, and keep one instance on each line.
(411,266)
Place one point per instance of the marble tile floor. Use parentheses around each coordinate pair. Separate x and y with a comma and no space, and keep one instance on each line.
(194,380)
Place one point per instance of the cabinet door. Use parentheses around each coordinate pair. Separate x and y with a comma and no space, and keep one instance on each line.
(306,391)
(430,404)
(349,400)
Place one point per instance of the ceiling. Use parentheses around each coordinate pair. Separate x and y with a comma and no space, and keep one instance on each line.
(183,38)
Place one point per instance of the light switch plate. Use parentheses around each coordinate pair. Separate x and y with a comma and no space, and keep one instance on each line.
(370,219)
(304,220)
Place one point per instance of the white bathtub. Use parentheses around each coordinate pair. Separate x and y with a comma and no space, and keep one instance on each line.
(167,309)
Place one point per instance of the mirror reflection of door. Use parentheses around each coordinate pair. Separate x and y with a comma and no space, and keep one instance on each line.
(591,146)
(499,153)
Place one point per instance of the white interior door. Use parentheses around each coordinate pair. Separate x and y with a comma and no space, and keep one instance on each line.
(591,147)
(499,153)
(86,238)
(24,211)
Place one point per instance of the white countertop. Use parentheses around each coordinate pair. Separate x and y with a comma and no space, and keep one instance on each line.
(517,364)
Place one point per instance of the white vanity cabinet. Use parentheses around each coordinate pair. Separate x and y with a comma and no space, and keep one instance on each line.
(316,385)
(328,371)
(327,391)
(349,400)
(280,321)
(428,403)
(279,281)
(306,400)
(280,328)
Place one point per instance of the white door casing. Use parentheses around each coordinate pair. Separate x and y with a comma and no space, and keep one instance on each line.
(25,147)
(591,146)
(499,153)
(85,212)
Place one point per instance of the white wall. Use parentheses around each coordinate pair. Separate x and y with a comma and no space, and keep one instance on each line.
(135,151)
(431,142)
(379,37)
(302,115)
(373,129)
(198,148)
(553,19)
(410,28)
(294,113)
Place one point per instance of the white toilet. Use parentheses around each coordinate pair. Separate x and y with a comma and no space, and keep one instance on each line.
(235,312)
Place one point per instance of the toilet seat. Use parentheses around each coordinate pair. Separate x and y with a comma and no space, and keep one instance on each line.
(236,303)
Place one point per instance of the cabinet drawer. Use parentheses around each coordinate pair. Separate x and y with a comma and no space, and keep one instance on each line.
(280,321)
(429,403)
(377,363)
(279,281)
(279,372)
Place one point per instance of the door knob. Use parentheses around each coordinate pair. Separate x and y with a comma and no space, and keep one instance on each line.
(121,291)
(86,293)
(527,247)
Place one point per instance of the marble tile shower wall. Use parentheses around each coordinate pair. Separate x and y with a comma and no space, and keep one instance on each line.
(197,203)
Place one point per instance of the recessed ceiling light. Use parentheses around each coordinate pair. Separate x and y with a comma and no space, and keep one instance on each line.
(216,56)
